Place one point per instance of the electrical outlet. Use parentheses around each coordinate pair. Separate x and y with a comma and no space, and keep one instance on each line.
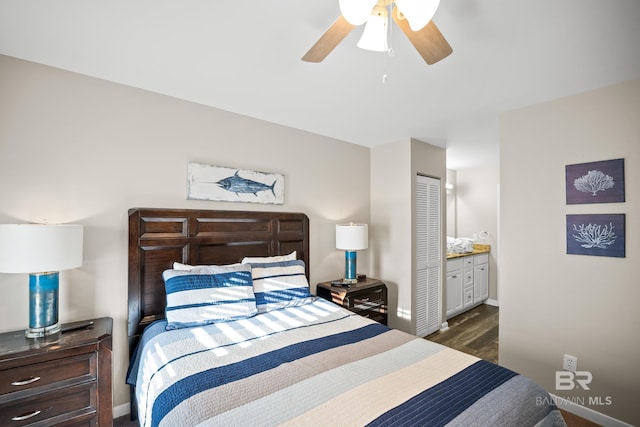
(570,363)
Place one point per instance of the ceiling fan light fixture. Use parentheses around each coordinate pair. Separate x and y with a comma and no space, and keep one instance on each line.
(418,12)
(356,12)
(374,36)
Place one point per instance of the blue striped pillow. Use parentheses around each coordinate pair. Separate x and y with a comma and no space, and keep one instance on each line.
(280,284)
(208,294)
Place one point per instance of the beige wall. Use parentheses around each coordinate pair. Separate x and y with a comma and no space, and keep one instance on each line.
(477,210)
(391,223)
(393,174)
(552,303)
(78,149)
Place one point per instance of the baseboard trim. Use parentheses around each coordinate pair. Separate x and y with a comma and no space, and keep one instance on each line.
(492,302)
(121,410)
(587,413)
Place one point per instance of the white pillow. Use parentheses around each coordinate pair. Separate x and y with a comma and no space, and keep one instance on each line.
(280,284)
(179,266)
(266,259)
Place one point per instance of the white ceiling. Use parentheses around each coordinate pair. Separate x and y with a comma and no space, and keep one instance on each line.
(244,56)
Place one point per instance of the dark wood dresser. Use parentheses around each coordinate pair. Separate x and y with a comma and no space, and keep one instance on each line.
(368,298)
(64,379)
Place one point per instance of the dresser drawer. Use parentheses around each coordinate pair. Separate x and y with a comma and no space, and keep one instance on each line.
(76,402)
(65,371)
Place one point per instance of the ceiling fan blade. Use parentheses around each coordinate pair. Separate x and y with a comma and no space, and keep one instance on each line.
(429,41)
(329,40)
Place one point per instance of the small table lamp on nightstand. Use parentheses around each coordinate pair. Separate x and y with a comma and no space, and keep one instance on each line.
(351,238)
(42,251)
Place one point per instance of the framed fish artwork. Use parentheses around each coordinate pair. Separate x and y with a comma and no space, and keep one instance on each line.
(207,182)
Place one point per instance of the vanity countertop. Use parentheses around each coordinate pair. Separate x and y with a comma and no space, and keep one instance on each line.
(477,249)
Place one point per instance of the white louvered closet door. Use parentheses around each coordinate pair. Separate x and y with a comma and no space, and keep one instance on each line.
(428,255)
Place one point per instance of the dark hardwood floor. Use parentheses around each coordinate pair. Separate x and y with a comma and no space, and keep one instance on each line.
(476,332)
(473,332)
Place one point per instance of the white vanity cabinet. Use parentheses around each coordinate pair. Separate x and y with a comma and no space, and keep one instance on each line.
(454,283)
(480,278)
(467,282)
(468,278)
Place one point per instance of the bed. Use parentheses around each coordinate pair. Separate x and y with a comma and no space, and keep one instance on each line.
(264,351)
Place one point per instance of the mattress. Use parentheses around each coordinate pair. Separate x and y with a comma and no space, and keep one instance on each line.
(319,364)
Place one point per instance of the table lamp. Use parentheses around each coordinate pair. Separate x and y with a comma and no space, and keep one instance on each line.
(41,250)
(351,238)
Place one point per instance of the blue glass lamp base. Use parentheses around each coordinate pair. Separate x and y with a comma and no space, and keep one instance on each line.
(43,305)
(350,262)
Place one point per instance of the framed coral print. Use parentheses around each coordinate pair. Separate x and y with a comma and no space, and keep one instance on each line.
(595,182)
(596,235)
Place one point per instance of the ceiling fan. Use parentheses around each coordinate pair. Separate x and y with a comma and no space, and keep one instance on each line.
(412,16)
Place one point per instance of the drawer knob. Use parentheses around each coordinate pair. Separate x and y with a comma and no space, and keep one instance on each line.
(26,382)
(25,416)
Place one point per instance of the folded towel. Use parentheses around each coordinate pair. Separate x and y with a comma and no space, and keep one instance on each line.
(459,245)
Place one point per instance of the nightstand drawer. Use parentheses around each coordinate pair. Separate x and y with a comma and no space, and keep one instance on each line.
(51,408)
(369,303)
(362,304)
(367,298)
(364,300)
(374,315)
(65,371)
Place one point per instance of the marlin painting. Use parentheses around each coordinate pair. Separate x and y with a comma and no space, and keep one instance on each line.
(208,182)
(237,184)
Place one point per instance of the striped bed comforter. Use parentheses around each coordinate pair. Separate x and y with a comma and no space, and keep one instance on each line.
(319,364)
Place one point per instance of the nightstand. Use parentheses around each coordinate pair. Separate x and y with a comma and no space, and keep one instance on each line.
(368,298)
(61,379)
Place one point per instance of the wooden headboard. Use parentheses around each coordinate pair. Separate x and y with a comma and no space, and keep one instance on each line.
(160,237)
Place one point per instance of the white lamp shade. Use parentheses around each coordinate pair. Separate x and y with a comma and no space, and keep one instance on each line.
(374,36)
(352,237)
(418,12)
(37,248)
(356,12)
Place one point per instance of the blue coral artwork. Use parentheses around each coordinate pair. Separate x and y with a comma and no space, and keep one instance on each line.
(596,235)
(207,182)
(595,182)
